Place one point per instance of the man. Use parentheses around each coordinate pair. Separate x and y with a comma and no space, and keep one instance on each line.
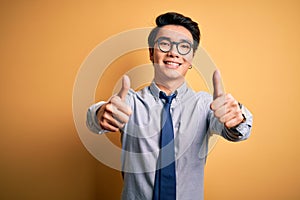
(165,127)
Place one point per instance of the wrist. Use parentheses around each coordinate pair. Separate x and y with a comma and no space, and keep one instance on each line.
(242,112)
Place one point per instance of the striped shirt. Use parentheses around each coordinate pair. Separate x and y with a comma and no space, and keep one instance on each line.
(194,124)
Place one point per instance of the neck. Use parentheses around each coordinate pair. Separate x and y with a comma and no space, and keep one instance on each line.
(168,87)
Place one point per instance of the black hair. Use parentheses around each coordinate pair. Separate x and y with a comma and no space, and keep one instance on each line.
(173,18)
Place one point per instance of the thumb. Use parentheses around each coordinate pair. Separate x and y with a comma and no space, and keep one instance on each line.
(217,82)
(125,87)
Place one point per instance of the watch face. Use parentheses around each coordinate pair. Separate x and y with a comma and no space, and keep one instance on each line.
(244,118)
(243,111)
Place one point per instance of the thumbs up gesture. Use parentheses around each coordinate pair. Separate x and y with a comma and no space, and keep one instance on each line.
(224,106)
(114,114)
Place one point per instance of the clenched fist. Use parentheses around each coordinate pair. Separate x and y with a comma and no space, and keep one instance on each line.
(224,106)
(114,114)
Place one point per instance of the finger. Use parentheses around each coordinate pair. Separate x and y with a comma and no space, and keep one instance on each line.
(118,104)
(121,117)
(217,103)
(125,87)
(220,112)
(225,99)
(109,127)
(228,116)
(110,120)
(106,122)
(234,122)
(225,104)
(232,118)
(117,114)
(217,83)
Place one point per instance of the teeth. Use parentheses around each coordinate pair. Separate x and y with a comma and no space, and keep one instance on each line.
(172,63)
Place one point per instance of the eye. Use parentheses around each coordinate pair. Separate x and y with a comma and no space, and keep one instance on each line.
(185,45)
(164,43)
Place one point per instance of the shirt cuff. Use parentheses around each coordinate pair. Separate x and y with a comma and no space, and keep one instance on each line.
(92,120)
(241,131)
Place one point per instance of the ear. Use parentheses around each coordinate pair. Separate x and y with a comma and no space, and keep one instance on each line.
(151,54)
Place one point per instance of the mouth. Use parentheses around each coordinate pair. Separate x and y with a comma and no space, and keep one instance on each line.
(171,64)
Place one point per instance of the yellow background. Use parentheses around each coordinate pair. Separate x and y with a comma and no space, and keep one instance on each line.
(255,44)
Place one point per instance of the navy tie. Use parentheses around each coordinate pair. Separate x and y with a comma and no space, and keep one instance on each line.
(165,176)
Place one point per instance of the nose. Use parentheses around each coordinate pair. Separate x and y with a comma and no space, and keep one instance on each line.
(173,51)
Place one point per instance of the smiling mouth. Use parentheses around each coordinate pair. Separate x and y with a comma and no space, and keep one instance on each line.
(172,64)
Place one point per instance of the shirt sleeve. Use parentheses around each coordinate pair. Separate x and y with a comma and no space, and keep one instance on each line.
(92,120)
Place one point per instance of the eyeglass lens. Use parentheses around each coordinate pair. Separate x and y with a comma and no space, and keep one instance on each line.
(165,45)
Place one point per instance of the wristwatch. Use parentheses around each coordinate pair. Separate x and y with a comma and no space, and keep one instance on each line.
(243,112)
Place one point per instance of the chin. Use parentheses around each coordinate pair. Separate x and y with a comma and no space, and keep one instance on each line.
(170,73)
(173,75)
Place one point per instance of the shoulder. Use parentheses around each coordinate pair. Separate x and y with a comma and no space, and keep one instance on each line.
(204,95)
(144,93)
(201,96)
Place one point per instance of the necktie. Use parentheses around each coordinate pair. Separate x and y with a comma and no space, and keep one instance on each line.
(165,177)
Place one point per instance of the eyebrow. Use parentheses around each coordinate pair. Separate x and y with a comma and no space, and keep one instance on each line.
(167,38)
(183,40)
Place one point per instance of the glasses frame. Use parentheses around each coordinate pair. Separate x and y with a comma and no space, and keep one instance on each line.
(172,44)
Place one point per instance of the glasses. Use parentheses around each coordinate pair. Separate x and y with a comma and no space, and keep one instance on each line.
(166,45)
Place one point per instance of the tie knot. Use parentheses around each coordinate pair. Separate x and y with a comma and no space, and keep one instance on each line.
(168,99)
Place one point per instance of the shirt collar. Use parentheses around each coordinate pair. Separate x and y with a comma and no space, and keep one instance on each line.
(180,91)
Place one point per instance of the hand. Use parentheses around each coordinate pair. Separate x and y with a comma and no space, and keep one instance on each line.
(113,115)
(224,106)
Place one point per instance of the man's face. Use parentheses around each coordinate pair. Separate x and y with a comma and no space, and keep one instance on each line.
(172,65)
